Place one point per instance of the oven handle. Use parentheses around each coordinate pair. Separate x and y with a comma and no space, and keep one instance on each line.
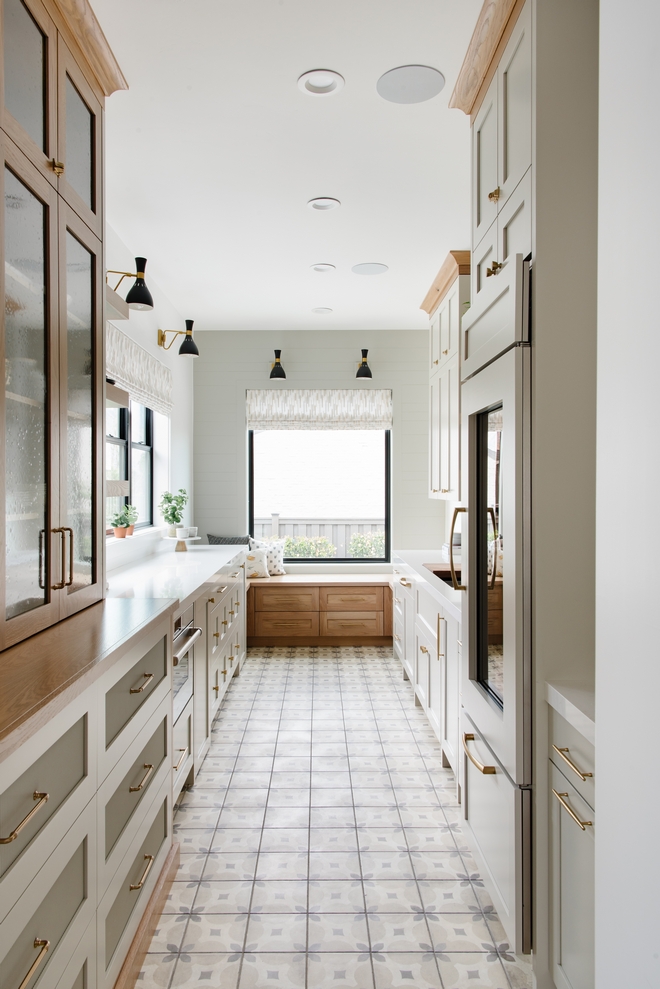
(455,584)
(191,636)
(485,770)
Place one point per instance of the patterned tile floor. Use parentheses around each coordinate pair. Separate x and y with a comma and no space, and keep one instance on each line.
(321,845)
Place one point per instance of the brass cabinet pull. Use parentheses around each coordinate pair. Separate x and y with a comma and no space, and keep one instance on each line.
(486,770)
(148,677)
(491,585)
(225,673)
(44,945)
(67,528)
(216,688)
(237,605)
(216,635)
(57,166)
(143,877)
(436,362)
(495,195)
(62,581)
(181,759)
(494,268)
(424,650)
(445,351)
(43,799)
(441,618)
(225,623)
(406,583)
(455,584)
(232,612)
(149,770)
(582,824)
(444,490)
(569,762)
(230,658)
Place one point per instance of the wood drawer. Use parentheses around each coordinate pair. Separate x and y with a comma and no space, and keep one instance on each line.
(286,599)
(351,598)
(580,752)
(55,775)
(135,785)
(126,697)
(288,623)
(350,623)
(182,749)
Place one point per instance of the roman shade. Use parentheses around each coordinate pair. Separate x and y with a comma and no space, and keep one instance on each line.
(350,408)
(143,376)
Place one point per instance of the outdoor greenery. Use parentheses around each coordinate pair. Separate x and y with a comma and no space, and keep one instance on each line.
(365,544)
(172,505)
(306,547)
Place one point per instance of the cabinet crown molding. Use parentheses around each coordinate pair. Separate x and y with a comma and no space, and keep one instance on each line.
(456,263)
(88,34)
(491,26)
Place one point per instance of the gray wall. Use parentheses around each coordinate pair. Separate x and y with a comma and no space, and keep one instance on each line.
(232,362)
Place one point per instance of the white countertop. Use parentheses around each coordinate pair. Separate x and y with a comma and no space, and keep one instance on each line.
(171,574)
(576,702)
(445,593)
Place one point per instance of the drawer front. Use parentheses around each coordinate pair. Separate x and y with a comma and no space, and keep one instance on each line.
(56,773)
(424,656)
(135,785)
(351,623)
(351,599)
(220,618)
(182,749)
(288,623)
(578,750)
(127,898)
(127,696)
(427,613)
(286,599)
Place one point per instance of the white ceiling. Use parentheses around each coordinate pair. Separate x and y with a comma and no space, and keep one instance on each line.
(213,153)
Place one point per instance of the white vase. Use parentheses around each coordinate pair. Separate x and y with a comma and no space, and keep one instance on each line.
(172,531)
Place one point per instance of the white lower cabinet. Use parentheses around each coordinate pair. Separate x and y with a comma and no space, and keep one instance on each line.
(448,656)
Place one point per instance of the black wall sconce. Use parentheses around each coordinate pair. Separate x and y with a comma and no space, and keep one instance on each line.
(188,346)
(276,370)
(139,296)
(364,371)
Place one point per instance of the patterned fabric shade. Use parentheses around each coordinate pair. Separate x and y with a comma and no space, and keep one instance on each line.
(145,379)
(355,408)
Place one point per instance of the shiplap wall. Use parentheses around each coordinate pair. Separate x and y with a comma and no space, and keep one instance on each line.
(232,362)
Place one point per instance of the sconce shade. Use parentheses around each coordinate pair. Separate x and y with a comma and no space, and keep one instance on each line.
(277,371)
(139,297)
(188,348)
(364,371)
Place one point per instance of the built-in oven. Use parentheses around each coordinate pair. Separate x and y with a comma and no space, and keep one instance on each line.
(185,636)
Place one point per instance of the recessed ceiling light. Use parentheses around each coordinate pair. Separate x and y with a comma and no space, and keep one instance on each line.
(410,84)
(323,203)
(321,311)
(320,82)
(323,267)
(369,268)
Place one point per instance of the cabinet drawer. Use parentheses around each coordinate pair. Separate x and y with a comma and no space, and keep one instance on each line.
(351,623)
(351,599)
(288,623)
(425,654)
(578,750)
(182,748)
(126,697)
(41,790)
(134,786)
(286,599)
(134,882)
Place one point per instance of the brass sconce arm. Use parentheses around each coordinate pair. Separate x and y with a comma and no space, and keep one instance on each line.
(124,274)
(162,337)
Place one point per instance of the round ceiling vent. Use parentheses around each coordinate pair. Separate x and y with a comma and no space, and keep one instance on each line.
(320,82)
(323,203)
(369,268)
(323,266)
(410,84)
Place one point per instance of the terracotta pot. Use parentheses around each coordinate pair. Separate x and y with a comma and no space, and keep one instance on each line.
(129,530)
(120,533)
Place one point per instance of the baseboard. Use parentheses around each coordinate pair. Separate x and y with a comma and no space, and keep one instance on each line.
(140,944)
(277,641)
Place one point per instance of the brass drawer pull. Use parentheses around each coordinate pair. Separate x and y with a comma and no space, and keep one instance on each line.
(216,688)
(232,612)
(424,650)
(571,813)
(237,605)
(44,945)
(143,877)
(495,267)
(569,762)
(406,583)
(181,759)
(43,799)
(441,618)
(486,770)
(225,673)
(149,770)
(225,623)
(216,635)
(495,195)
(148,677)
(230,658)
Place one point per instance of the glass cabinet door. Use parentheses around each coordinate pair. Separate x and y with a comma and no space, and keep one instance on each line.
(32,546)
(79,141)
(490,557)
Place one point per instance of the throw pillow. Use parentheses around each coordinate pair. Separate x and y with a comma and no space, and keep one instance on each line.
(228,540)
(275,554)
(256,565)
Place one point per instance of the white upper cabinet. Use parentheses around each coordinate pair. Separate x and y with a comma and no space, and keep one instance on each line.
(485,165)
(514,91)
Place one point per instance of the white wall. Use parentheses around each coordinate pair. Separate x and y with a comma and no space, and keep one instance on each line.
(173,465)
(628,584)
(232,362)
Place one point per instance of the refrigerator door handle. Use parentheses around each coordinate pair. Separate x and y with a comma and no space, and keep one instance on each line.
(485,770)
(455,584)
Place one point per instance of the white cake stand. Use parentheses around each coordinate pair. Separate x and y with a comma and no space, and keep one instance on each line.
(181,543)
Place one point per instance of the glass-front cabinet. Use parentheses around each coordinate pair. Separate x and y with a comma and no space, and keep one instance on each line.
(51,435)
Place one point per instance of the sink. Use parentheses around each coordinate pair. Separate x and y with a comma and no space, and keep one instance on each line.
(443,571)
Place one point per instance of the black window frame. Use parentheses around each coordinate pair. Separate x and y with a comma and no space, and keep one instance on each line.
(387,558)
(125,440)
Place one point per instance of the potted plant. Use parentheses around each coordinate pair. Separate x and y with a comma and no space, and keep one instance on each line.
(132,516)
(171,508)
(119,523)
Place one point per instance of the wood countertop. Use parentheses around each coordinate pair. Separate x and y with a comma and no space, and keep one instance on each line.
(48,670)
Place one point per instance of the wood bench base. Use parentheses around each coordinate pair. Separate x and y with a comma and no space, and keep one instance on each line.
(261,641)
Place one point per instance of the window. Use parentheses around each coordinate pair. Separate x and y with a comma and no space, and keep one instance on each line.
(129,458)
(326,492)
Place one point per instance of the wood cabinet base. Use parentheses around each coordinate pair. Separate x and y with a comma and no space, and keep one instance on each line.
(319,640)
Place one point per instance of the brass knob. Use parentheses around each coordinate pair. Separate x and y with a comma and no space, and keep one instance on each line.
(216,635)
(225,623)
(216,688)
(444,490)
(495,195)
(224,671)
(445,351)
(423,649)
(231,612)
(494,268)
(57,166)
(436,362)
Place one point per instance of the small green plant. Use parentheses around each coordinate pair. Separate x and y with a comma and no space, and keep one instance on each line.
(172,505)
(120,519)
(365,544)
(307,547)
(132,514)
